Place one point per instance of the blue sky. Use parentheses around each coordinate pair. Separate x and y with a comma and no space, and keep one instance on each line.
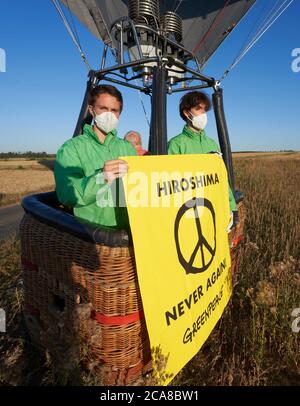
(42,88)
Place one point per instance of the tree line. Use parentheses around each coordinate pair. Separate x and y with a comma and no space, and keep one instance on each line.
(26,155)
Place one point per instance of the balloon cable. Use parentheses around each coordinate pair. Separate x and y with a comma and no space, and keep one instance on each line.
(258,35)
(73,35)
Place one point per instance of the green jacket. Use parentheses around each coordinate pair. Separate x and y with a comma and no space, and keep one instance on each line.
(189,142)
(79,180)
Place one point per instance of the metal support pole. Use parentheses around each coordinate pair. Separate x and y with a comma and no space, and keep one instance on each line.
(158,128)
(84,117)
(223,133)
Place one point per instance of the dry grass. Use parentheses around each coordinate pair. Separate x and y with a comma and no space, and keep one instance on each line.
(19,181)
(16,183)
(15,163)
(253,344)
(273,155)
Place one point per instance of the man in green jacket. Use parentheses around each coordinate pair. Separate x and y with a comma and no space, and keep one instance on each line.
(193,139)
(87,168)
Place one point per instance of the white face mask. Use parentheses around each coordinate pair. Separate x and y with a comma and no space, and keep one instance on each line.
(199,122)
(106,122)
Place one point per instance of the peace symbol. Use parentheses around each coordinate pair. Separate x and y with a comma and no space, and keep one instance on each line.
(202,243)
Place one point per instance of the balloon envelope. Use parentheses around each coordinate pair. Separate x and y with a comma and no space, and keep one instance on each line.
(206,23)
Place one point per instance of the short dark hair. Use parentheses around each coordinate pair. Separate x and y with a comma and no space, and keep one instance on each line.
(105,89)
(192,99)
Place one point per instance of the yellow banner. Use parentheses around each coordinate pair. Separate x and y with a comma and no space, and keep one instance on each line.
(179,212)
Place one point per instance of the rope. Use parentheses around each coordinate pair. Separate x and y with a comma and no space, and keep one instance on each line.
(179,4)
(144,108)
(73,23)
(143,105)
(265,23)
(260,33)
(71,33)
(257,25)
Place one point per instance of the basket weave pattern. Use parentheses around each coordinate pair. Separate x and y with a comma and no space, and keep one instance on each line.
(77,288)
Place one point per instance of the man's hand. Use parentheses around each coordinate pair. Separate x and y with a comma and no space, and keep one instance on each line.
(113,169)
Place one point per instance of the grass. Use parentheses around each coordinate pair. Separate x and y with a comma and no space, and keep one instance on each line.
(272,155)
(253,344)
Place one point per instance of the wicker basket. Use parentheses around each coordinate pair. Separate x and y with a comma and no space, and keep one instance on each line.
(82,300)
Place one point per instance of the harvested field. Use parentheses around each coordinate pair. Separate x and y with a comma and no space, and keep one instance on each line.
(16,183)
(268,155)
(40,164)
(253,344)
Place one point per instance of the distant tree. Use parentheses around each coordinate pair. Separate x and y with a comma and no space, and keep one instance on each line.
(26,155)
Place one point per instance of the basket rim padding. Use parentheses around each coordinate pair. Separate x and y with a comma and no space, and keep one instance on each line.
(45,208)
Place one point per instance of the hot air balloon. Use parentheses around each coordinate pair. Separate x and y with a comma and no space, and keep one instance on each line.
(69,285)
(161,44)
